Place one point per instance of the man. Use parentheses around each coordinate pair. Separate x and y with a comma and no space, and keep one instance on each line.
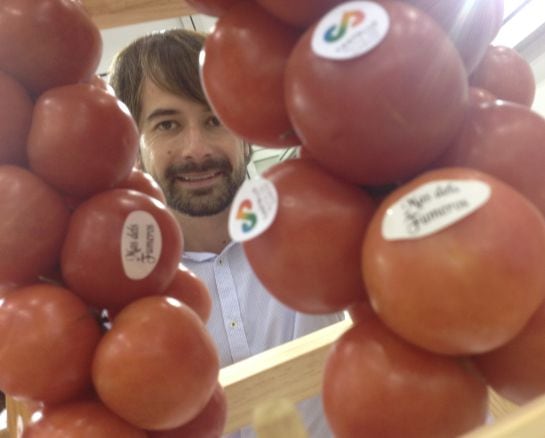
(200,165)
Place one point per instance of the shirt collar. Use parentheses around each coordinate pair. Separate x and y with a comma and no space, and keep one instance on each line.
(197,256)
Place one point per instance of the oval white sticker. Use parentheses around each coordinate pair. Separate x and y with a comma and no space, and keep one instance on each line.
(432,207)
(350,30)
(253,210)
(141,244)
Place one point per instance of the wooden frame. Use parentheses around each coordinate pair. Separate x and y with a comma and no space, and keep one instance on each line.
(108,13)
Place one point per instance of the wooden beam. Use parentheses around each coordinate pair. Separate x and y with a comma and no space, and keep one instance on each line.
(528,421)
(108,13)
(292,371)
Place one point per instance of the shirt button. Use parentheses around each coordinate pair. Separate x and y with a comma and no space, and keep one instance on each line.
(220,261)
(233,324)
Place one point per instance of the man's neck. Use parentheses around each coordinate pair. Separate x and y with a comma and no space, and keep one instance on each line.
(204,233)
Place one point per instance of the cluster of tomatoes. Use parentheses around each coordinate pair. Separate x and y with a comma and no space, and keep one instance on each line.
(83,235)
(417,203)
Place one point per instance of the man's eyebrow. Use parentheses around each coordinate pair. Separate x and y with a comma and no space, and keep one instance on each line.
(160,112)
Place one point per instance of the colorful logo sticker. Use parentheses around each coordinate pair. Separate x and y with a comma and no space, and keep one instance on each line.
(433,207)
(349,18)
(253,210)
(246,215)
(350,30)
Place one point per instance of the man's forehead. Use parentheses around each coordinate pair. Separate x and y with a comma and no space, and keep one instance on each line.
(159,102)
(154,91)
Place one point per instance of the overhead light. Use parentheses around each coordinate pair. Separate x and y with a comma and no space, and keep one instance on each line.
(521,19)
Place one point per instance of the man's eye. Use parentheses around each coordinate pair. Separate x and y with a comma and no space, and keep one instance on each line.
(214,121)
(165,125)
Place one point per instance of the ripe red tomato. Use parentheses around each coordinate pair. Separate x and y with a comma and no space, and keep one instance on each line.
(120,245)
(318,227)
(100,82)
(215,8)
(471,24)
(190,290)
(157,367)
(7,286)
(47,343)
(209,423)
(377,385)
(455,290)
(48,43)
(507,141)
(302,13)
(81,419)
(15,118)
(506,74)
(359,311)
(516,370)
(478,96)
(91,130)
(143,182)
(242,38)
(379,117)
(34,221)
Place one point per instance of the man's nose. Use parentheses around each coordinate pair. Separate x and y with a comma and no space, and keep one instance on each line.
(196,144)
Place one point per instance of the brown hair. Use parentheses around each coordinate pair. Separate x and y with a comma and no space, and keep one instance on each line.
(169,58)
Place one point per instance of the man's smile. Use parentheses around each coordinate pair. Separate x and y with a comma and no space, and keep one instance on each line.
(199,179)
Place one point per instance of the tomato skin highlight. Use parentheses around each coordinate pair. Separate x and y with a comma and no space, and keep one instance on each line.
(48,43)
(156,339)
(91,130)
(467,288)
(33,226)
(47,346)
(93,255)
(380,117)
(478,96)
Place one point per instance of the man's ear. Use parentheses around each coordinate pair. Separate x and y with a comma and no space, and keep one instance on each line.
(247,151)
(138,161)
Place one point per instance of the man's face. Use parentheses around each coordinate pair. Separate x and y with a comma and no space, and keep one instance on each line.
(197,162)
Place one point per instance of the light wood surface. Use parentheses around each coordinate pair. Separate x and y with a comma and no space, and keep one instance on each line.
(19,414)
(113,13)
(292,371)
(527,421)
(499,406)
(278,418)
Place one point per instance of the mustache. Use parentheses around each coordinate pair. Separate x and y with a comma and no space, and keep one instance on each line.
(218,164)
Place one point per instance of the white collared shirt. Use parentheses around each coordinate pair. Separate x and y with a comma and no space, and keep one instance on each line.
(246,319)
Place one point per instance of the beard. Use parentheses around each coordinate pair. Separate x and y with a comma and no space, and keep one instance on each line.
(206,201)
